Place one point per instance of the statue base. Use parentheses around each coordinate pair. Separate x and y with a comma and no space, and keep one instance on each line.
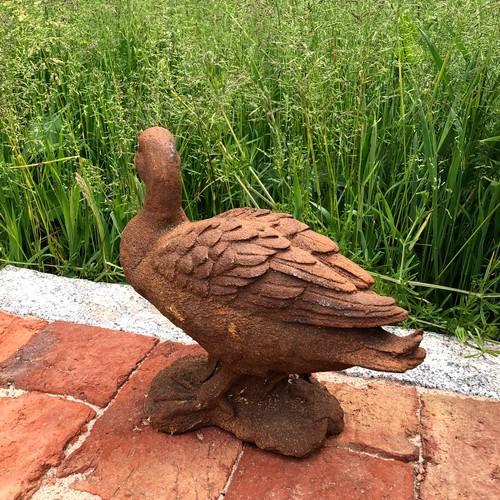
(287,414)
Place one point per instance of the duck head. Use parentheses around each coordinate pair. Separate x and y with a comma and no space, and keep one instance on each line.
(158,165)
(156,158)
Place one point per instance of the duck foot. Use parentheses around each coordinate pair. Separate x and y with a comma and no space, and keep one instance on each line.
(285,414)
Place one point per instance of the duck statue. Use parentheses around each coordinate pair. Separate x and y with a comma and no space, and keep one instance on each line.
(270,300)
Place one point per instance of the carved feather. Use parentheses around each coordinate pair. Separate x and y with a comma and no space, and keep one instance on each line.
(255,258)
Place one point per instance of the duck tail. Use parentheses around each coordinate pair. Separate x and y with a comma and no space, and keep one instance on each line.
(380,350)
(384,351)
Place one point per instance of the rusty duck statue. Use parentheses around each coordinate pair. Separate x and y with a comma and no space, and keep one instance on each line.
(270,300)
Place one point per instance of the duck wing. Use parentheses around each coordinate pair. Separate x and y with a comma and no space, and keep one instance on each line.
(305,238)
(271,261)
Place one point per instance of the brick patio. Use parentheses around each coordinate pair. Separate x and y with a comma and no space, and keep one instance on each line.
(71,426)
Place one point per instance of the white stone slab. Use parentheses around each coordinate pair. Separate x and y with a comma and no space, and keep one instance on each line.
(27,292)
(449,364)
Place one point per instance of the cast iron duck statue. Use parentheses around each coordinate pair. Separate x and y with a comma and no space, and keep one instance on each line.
(270,300)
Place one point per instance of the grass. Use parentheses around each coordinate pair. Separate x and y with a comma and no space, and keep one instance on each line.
(376,122)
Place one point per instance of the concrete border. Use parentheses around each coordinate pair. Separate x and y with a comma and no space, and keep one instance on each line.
(449,364)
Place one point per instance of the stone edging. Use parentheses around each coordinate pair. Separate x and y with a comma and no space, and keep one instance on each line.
(449,365)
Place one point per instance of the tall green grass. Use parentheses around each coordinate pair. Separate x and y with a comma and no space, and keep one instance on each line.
(374,121)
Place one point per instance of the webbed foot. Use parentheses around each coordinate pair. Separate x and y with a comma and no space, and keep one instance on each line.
(182,398)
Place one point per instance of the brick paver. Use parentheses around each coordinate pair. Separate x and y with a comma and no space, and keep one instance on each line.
(461,442)
(379,417)
(86,362)
(16,332)
(131,460)
(332,473)
(34,429)
(376,457)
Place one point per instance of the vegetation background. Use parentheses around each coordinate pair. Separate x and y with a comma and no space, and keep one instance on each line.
(375,121)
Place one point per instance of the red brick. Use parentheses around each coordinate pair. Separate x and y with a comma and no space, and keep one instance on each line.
(15,332)
(86,362)
(34,429)
(6,319)
(379,417)
(461,441)
(131,460)
(332,473)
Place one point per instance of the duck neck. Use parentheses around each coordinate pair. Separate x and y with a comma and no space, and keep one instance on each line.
(162,212)
(163,205)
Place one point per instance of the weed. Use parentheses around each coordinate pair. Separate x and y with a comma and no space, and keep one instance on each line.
(375,122)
